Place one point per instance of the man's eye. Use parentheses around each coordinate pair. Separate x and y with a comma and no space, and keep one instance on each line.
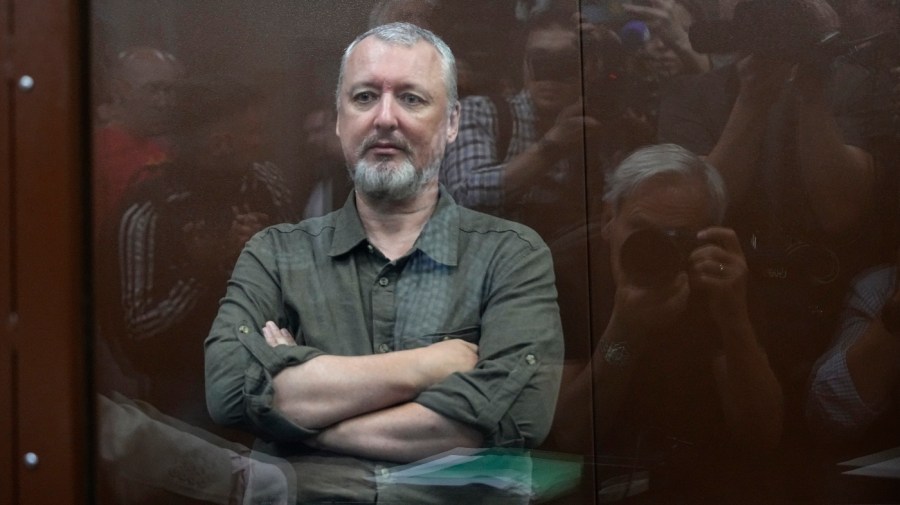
(410,99)
(364,97)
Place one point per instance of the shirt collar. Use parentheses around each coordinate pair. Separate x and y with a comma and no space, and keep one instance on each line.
(348,229)
(439,239)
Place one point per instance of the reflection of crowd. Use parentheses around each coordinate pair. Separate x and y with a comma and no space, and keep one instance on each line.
(180,162)
(735,208)
(803,132)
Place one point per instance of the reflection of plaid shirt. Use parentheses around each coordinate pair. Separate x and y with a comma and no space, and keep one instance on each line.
(473,169)
(834,402)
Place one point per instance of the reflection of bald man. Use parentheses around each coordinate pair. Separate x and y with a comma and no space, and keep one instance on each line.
(133,123)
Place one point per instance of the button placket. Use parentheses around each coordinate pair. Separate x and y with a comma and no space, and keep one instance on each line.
(384,309)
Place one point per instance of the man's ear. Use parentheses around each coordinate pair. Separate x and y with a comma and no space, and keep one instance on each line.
(453,123)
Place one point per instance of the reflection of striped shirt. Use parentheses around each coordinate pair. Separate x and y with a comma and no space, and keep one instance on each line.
(160,285)
(148,311)
(473,169)
(834,403)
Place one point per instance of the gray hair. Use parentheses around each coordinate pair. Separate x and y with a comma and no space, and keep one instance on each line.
(407,35)
(664,159)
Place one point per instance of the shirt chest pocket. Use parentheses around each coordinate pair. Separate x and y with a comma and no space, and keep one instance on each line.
(471,334)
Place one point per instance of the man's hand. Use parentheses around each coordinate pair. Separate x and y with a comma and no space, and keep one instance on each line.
(569,130)
(663,19)
(669,48)
(719,269)
(277,336)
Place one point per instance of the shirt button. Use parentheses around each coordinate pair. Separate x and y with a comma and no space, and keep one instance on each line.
(243,328)
(384,348)
(370,248)
(384,281)
(530,359)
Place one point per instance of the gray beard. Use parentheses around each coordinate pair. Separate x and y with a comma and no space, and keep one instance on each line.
(400,183)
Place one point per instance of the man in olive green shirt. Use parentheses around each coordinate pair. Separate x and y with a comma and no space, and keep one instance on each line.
(400,326)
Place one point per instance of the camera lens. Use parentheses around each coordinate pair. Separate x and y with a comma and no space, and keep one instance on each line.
(650,258)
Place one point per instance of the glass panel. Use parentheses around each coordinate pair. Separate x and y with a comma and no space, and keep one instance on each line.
(685,360)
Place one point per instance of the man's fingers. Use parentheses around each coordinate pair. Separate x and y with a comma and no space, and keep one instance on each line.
(269,334)
(277,336)
(287,338)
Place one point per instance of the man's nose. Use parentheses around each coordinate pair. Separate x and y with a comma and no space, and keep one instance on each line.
(386,114)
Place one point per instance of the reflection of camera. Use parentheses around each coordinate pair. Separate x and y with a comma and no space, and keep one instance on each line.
(652,257)
(772,28)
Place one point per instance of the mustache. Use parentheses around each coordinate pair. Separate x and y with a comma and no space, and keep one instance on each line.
(377,140)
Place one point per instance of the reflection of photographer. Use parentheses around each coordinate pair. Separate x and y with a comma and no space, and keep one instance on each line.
(668,48)
(792,136)
(523,156)
(679,363)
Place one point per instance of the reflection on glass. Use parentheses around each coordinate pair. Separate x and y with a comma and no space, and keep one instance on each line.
(209,131)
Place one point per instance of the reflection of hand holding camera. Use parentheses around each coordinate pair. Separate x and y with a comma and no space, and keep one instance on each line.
(651,257)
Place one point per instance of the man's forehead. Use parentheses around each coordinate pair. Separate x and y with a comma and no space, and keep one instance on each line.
(375,60)
(142,69)
(669,202)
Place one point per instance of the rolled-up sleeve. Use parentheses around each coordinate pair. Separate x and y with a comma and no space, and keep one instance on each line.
(834,407)
(239,364)
(510,395)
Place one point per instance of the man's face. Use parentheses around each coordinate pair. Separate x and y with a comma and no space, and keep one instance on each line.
(665,203)
(552,68)
(146,91)
(392,118)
